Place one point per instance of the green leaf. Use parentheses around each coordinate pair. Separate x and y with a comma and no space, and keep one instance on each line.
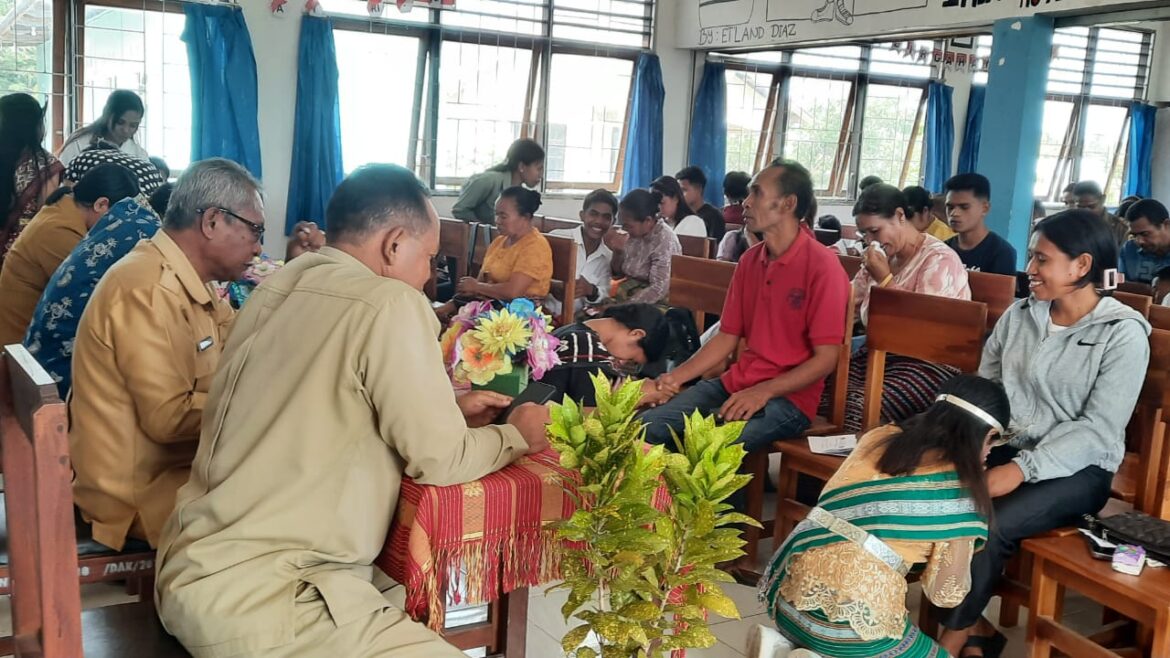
(575,637)
(719,603)
(585,652)
(640,611)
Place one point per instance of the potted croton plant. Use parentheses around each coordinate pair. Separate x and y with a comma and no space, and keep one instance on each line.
(640,566)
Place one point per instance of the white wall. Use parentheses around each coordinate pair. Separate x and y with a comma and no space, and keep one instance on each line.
(274,40)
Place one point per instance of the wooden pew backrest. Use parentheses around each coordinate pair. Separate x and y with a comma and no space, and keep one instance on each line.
(1139,303)
(564,257)
(1160,316)
(699,285)
(852,265)
(46,612)
(935,329)
(998,291)
(696,246)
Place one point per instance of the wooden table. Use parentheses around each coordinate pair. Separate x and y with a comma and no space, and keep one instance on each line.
(1064,562)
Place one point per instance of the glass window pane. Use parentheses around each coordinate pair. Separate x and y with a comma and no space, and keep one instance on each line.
(511,16)
(609,22)
(837,58)
(813,134)
(26,53)
(481,109)
(141,51)
(1104,128)
(1057,115)
(375,118)
(982,54)
(585,121)
(890,114)
(747,102)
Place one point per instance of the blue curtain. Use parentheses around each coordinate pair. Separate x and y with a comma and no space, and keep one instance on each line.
(972,131)
(644,140)
(223,85)
(316,161)
(1141,149)
(708,145)
(940,135)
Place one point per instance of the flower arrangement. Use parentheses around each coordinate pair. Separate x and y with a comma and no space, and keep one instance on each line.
(237,292)
(496,349)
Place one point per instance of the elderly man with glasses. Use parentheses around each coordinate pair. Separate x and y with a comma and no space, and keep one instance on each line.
(147,347)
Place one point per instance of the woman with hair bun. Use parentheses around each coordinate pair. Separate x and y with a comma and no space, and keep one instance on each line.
(642,249)
(523,166)
(519,262)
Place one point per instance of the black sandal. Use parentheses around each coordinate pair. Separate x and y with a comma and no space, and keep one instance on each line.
(991,645)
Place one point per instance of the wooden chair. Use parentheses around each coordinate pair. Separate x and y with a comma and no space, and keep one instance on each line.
(564,258)
(47,620)
(1062,563)
(1133,287)
(852,265)
(935,329)
(795,457)
(547,224)
(998,291)
(699,247)
(700,285)
(1139,303)
(482,236)
(1160,316)
(454,247)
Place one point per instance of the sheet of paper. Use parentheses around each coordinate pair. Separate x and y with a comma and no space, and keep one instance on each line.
(838,444)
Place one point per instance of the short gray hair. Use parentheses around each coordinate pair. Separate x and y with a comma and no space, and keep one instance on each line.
(211,183)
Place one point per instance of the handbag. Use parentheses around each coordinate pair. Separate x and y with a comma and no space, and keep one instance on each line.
(1134,528)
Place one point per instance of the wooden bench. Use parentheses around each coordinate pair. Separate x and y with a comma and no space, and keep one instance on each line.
(852,265)
(699,285)
(454,250)
(564,258)
(1139,303)
(547,224)
(1160,316)
(998,291)
(696,246)
(1062,563)
(47,620)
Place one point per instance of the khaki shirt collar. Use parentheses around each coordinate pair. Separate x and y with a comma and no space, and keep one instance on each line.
(174,257)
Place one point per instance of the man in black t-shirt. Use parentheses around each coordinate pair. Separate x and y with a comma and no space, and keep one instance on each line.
(968,202)
(693,182)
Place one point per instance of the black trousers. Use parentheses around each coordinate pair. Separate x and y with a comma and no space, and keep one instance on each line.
(1028,511)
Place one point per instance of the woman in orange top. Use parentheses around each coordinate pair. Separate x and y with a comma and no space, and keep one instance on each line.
(518,263)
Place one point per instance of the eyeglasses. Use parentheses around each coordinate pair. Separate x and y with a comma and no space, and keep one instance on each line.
(257,229)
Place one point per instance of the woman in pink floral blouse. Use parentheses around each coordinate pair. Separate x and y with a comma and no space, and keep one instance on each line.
(898,256)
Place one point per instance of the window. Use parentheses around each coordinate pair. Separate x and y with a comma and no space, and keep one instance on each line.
(892,134)
(586,122)
(483,91)
(376,117)
(805,105)
(750,98)
(558,71)
(26,54)
(1095,74)
(140,50)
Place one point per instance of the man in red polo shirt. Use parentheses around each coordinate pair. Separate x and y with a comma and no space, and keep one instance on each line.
(787,300)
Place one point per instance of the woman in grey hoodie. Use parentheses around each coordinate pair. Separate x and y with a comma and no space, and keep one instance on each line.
(1072,360)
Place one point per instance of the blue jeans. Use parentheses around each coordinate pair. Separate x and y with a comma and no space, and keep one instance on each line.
(779,419)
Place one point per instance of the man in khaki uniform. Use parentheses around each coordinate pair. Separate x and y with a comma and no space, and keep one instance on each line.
(147,346)
(330,390)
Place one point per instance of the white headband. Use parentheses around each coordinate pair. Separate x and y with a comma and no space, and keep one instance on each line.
(971,409)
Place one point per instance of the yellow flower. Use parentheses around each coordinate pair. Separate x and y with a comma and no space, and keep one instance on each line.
(503,333)
(479,365)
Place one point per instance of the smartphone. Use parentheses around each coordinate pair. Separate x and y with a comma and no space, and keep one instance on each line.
(537,393)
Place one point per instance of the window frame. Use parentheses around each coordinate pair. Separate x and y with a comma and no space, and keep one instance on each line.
(1067,167)
(845,171)
(422,158)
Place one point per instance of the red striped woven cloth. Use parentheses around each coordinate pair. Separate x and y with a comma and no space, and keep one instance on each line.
(484,538)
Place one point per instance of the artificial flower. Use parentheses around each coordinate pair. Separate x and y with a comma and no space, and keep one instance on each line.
(447,344)
(523,307)
(503,333)
(470,312)
(480,364)
(542,350)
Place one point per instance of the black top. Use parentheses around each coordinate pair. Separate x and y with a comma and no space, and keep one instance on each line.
(713,218)
(582,355)
(993,255)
